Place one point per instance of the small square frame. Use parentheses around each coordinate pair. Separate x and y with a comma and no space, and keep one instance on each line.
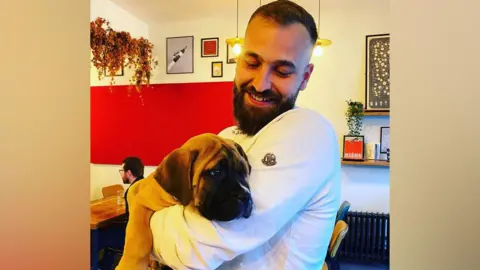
(355,155)
(217,69)
(209,47)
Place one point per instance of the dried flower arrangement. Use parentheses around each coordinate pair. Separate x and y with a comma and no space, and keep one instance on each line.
(112,50)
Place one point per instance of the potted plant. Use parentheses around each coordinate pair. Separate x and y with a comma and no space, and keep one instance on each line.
(353,142)
(113,50)
(354,116)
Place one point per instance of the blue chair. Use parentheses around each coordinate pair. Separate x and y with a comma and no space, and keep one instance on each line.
(342,211)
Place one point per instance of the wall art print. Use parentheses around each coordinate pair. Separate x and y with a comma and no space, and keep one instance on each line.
(179,55)
(377,73)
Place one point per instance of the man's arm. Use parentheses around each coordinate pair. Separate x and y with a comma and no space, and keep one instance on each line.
(306,152)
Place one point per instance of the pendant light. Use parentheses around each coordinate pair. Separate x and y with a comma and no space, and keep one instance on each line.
(236,42)
(318,50)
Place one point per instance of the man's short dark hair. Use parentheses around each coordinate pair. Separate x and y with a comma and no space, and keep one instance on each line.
(135,165)
(284,12)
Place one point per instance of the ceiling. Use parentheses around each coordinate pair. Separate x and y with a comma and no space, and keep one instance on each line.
(158,11)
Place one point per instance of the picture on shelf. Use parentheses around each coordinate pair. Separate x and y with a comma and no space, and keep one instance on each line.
(372,151)
(377,73)
(384,139)
(353,147)
(179,55)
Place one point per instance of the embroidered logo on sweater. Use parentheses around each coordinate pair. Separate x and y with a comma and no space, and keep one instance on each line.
(269,159)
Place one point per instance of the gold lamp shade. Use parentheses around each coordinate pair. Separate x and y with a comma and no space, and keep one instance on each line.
(233,41)
(323,42)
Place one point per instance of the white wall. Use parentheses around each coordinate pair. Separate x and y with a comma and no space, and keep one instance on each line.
(121,20)
(338,76)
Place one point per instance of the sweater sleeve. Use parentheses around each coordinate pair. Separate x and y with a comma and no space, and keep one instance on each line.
(303,157)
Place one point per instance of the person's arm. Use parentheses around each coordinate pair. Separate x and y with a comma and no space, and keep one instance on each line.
(306,152)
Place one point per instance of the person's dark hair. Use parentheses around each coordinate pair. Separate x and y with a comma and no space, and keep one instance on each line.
(284,12)
(135,165)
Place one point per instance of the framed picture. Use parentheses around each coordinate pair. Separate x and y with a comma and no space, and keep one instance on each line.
(119,73)
(231,58)
(217,69)
(353,147)
(179,55)
(209,47)
(384,139)
(377,73)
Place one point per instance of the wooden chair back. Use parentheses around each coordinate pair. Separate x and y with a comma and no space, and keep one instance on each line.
(111,190)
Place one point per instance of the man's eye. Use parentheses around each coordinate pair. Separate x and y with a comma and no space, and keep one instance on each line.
(283,74)
(251,64)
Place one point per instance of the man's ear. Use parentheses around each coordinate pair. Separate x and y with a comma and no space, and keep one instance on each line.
(175,174)
(306,76)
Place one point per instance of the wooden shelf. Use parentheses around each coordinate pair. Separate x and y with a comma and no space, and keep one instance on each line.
(379,163)
(374,113)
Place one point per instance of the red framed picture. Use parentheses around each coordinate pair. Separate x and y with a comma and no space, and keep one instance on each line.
(353,148)
(209,47)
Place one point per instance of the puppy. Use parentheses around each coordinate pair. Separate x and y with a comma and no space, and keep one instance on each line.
(208,172)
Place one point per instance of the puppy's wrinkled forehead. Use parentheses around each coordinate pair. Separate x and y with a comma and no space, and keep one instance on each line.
(211,150)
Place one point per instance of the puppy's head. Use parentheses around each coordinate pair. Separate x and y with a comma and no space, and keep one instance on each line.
(212,173)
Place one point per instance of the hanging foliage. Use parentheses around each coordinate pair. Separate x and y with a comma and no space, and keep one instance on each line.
(354,116)
(113,50)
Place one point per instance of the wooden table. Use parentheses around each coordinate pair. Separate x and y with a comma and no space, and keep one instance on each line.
(102,213)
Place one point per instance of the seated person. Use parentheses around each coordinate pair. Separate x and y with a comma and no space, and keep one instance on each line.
(113,236)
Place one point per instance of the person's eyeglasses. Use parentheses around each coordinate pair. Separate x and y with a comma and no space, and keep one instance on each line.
(120,171)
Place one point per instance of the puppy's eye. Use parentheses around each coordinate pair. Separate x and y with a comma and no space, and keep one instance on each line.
(214,172)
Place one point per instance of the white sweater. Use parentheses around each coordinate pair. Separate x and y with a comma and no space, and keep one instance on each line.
(295,204)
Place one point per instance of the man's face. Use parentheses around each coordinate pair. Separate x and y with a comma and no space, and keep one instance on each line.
(272,69)
(124,174)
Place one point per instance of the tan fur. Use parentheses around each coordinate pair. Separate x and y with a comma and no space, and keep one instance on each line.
(147,196)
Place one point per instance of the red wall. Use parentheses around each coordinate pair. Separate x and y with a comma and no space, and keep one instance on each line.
(170,114)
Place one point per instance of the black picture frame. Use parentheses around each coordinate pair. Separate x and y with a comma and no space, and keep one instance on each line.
(349,158)
(202,53)
(377,80)
(384,139)
(214,75)
(118,74)
(230,60)
(174,45)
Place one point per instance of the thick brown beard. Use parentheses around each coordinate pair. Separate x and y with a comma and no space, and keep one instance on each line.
(250,119)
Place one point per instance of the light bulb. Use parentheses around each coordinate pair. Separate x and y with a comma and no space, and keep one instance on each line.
(237,49)
(318,51)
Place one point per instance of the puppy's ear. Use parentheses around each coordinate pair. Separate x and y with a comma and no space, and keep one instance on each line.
(175,174)
(242,153)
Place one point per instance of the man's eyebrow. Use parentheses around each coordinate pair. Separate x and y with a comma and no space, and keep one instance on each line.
(257,57)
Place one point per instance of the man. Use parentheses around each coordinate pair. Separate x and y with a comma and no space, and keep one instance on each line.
(295,179)
(112,237)
(131,172)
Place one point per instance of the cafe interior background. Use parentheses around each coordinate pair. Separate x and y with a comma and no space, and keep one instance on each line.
(196,97)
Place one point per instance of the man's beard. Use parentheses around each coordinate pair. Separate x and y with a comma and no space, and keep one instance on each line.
(252,119)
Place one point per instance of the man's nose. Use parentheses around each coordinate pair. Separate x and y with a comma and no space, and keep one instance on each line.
(262,81)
